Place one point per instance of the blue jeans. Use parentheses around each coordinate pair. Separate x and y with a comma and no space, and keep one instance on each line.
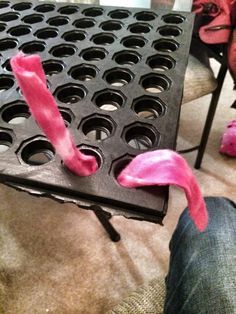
(202,272)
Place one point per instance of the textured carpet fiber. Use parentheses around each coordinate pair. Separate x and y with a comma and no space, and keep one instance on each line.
(57,259)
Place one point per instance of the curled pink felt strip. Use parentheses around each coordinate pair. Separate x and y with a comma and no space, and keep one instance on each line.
(29,73)
(165,167)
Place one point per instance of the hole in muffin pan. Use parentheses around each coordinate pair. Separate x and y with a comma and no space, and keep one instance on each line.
(155,83)
(83,72)
(134,42)
(145,16)
(37,153)
(111,25)
(63,50)
(6,82)
(6,141)
(8,43)
(69,9)
(43,8)
(70,94)
(74,36)
(19,30)
(160,63)
(93,12)
(15,113)
(22,6)
(93,54)
(165,45)
(52,67)
(173,18)
(127,57)
(2,27)
(103,39)
(109,100)
(140,137)
(84,23)
(46,33)
(118,77)
(139,28)
(33,18)
(4,4)
(9,16)
(58,21)
(148,107)
(119,14)
(33,47)
(97,128)
(170,31)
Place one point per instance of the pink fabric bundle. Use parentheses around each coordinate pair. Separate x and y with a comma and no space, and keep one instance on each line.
(218,26)
(161,167)
(165,167)
(29,73)
(228,141)
(218,13)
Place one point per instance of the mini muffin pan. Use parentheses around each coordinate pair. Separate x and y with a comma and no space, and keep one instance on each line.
(117,76)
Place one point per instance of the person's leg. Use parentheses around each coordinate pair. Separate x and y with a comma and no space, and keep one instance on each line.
(202,272)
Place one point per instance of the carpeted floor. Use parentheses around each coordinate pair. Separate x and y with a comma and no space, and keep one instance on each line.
(57,259)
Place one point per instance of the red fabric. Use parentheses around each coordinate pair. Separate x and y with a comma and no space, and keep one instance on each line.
(29,73)
(165,167)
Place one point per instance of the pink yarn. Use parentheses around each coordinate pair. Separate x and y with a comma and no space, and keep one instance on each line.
(228,141)
(165,167)
(29,73)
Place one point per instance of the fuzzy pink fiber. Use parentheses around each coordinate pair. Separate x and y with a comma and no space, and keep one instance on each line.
(29,73)
(165,167)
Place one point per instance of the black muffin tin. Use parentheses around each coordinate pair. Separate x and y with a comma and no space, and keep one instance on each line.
(117,75)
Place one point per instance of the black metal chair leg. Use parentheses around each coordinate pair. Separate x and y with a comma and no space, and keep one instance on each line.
(104,220)
(210,116)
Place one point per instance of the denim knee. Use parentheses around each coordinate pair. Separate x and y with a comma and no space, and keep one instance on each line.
(222,218)
(202,270)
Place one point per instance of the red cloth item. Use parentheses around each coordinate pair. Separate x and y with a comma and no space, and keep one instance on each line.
(165,167)
(29,73)
(228,141)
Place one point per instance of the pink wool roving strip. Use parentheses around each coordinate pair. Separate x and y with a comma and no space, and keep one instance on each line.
(165,167)
(29,73)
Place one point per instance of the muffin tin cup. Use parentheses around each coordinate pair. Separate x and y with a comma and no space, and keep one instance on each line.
(117,76)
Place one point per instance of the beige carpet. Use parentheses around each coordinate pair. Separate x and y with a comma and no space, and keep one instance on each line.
(57,259)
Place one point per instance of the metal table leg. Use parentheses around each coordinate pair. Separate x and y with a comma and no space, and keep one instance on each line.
(210,115)
(104,217)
